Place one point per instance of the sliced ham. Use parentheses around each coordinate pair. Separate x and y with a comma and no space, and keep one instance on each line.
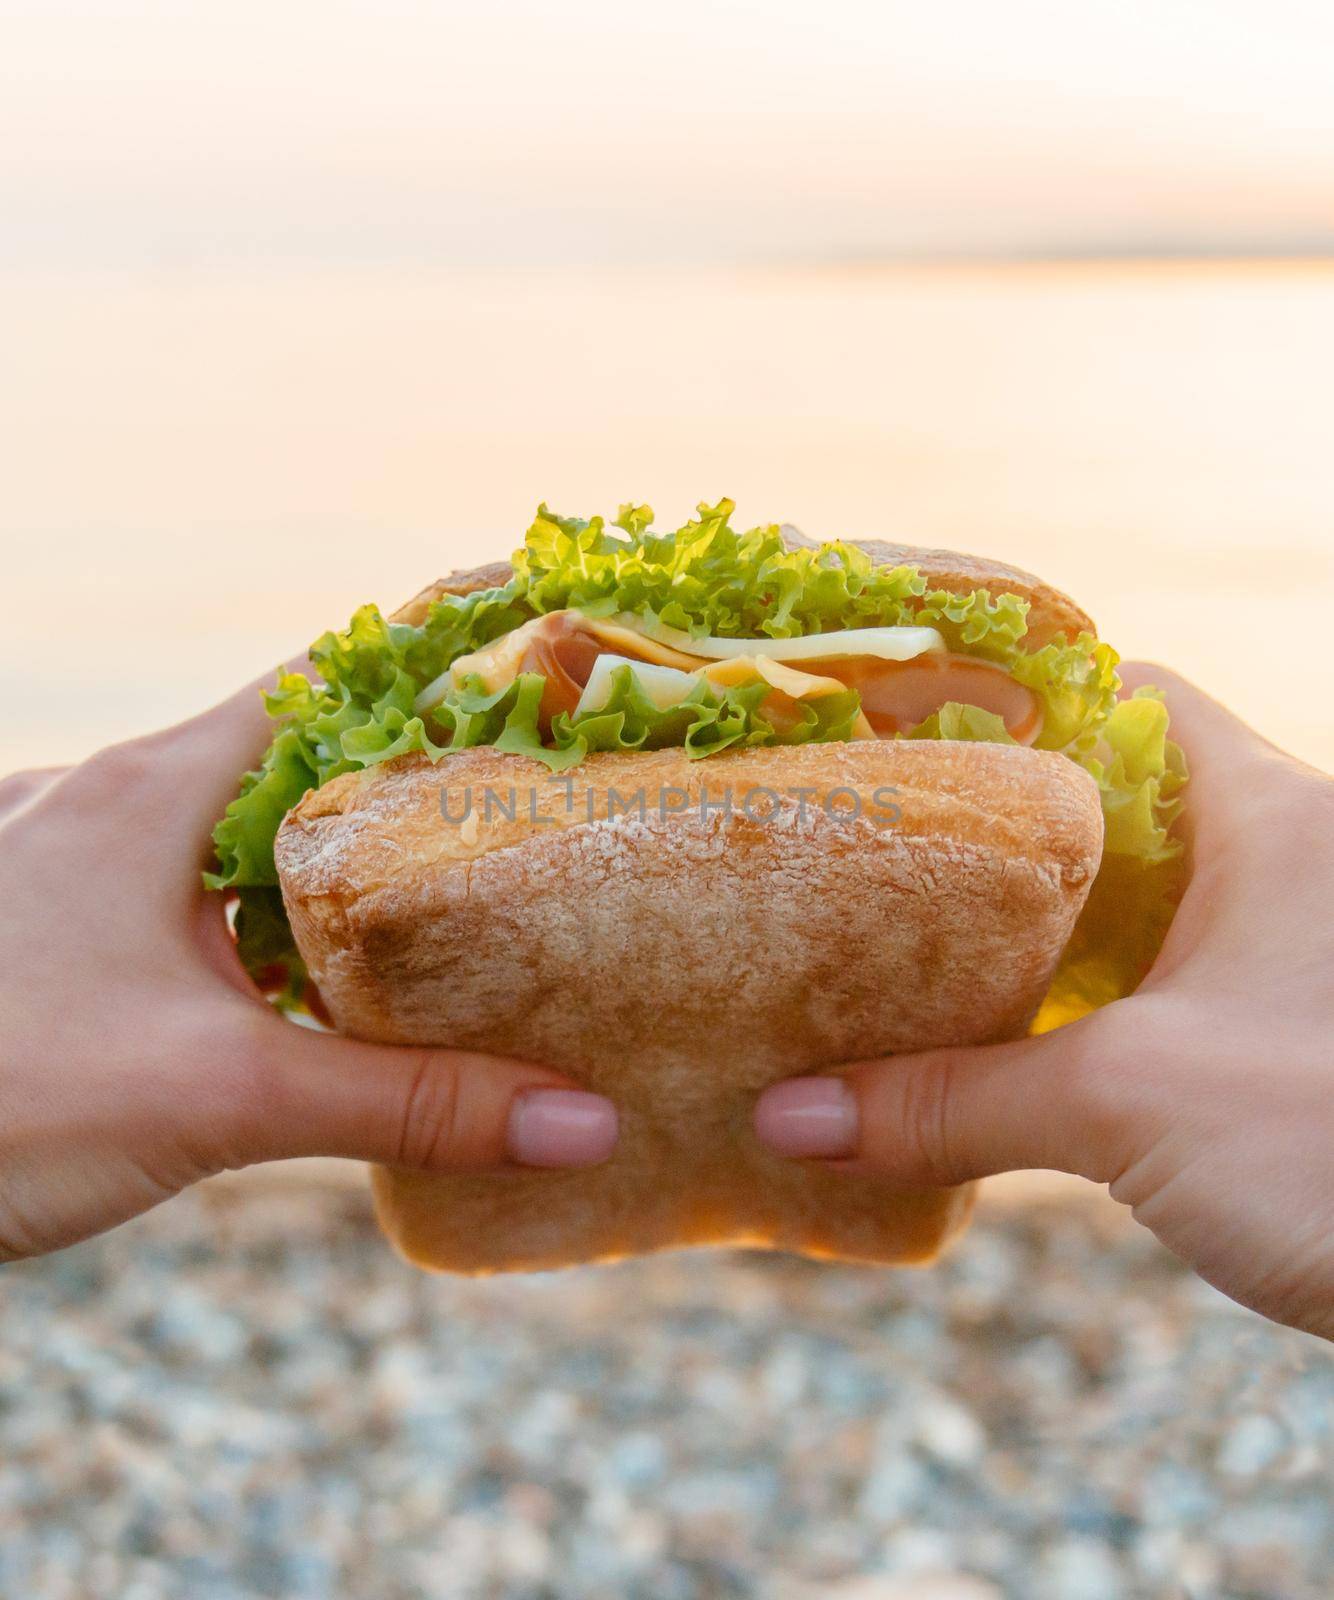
(564,654)
(896,696)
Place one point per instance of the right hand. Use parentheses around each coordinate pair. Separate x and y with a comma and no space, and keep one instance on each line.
(1205,1099)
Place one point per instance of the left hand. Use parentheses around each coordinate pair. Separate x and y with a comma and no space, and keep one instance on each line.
(137,1057)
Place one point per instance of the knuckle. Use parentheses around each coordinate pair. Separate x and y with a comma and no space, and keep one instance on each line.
(430,1128)
(1274,809)
(925,1091)
(114,775)
(15,1244)
(241,1102)
(18,787)
(1297,804)
(1116,1072)
(121,767)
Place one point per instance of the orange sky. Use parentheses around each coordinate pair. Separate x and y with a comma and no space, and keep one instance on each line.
(711,131)
(302,303)
(203,472)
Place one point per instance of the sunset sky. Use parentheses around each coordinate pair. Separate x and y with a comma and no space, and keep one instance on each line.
(303,304)
(710,131)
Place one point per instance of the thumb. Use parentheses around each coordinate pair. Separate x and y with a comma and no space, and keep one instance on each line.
(946,1116)
(304,1093)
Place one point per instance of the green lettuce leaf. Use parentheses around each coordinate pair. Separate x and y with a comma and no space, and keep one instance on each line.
(359,709)
(1140,774)
(244,837)
(707,721)
(708,577)
(955,721)
(265,946)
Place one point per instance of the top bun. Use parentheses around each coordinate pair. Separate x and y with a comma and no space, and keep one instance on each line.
(1051,614)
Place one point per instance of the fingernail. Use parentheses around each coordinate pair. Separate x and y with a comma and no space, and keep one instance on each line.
(808,1117)
(561,1128)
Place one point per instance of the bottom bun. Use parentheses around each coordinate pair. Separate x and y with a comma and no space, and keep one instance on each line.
(784,911)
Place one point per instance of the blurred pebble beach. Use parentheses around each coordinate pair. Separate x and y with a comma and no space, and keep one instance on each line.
(245,1393)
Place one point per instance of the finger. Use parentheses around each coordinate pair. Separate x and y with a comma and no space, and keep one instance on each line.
(159,795)
(1216,741)
(213,749)
(946,1116)
(18,788)
(1212,725)
(305,1093)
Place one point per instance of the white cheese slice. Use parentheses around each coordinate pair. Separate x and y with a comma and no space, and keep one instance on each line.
(889,644)
(668,686)
(670,651)
(795,684)
(664,686)
(627,641)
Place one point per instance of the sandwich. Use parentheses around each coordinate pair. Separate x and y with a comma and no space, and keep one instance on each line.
(682,814)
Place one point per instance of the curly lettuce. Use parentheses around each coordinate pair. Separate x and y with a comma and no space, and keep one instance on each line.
(359,708)
(1140,774)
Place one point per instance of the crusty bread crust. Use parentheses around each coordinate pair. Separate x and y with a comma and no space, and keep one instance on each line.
(679,959)
(1051,613)
(488,577)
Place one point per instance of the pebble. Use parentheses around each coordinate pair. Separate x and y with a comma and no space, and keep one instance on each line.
(1079,1569)
(937,1586)
(245,1394)
(1252,1443)
(949,1431)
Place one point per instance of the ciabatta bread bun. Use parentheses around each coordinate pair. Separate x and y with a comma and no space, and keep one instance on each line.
(850,900)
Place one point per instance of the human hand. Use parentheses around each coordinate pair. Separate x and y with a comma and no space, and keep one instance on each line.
(1206,1099)
(136,1056)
